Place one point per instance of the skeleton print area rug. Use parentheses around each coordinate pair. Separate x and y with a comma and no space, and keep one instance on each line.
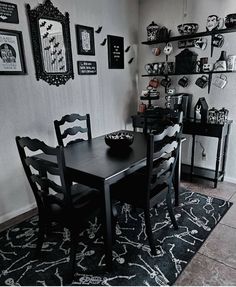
(133,264)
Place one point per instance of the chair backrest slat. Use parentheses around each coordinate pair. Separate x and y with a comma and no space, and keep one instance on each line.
(73,131)
(162,153)
(62,135)
(38,172)
(46,183)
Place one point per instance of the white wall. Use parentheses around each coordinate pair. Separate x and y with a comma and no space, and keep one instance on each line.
(28,107)
(171,13)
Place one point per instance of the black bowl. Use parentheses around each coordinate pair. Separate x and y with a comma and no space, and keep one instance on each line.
(119,140)
(187,28)
(230,21)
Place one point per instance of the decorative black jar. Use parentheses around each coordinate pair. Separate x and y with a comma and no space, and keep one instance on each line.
(152,31)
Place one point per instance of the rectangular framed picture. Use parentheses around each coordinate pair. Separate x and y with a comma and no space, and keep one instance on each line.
(12,60)
(87,68)
(115,46)
(85,40)
(8,13)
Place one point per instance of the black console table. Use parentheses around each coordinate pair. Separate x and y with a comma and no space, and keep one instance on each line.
(210,130)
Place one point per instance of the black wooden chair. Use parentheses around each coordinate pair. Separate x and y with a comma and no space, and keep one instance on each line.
(69,205)
(72,131)
(141,189)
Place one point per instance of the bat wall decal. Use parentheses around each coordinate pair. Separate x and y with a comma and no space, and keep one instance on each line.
(131,60)
(127,49)
(104,42)
(98,30)
(45,35)
(52,39)
(49,27)
(43,24)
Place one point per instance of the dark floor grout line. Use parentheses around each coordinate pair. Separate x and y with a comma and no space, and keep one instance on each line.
(227,225)
(226,265)
(233,195)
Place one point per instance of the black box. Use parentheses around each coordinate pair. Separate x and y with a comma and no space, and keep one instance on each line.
(185,62)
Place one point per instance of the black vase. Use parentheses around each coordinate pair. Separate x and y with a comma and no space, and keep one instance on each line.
(220,64)
(222,56)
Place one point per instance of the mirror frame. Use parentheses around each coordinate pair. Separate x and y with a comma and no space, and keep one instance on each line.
(48,11)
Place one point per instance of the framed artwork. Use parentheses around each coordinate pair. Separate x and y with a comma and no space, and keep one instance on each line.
(87,68)
(115,46)
(85,40)
(12,61)
(50,35)
(8,13)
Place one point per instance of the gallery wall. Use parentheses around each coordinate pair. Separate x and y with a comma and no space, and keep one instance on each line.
(171,13)
(28,107)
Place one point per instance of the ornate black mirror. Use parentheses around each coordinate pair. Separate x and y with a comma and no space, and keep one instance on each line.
(50,33)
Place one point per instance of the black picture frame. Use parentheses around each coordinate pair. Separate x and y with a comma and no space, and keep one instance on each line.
(115,46)
(12,58)
(85,40)
(53,62)
(8,13)
(87,68)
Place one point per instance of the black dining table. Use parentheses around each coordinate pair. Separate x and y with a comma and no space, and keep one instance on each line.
(97,165)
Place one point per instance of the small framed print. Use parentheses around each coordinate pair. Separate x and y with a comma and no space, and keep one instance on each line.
(87,68)
(115,52)
(85,40)
(12,61)
(8,13)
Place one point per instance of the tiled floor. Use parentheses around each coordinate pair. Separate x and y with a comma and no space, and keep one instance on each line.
(215,262)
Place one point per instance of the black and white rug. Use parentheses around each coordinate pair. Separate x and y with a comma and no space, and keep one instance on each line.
(133,263)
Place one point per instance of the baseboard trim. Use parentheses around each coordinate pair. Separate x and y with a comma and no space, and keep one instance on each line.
(15,217)
(230,179)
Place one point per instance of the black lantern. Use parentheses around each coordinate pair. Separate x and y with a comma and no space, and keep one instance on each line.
(201,110)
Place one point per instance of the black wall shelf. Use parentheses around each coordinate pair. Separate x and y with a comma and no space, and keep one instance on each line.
(195,73)
(196,35)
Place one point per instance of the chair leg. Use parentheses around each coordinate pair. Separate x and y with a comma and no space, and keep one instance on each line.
(41,236)
(73,242)
(149,231)
(114,221)
(170,209)
(176,191)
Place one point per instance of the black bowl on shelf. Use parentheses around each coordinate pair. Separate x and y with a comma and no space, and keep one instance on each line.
(230,21)
(187,28)
(119,140)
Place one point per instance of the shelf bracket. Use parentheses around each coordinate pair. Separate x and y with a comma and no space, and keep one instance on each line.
(209,82)
(212,47)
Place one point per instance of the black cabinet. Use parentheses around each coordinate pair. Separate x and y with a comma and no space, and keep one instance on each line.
(210,130)
(219,131)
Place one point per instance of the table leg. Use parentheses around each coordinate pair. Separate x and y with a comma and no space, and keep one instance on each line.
(225,152)
(217,163)
(192,158)
(107,226)
(177,175)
